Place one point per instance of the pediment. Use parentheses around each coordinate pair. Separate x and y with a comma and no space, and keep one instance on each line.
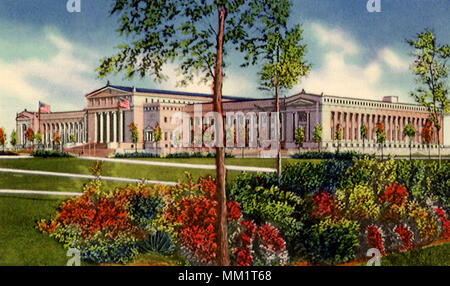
(107,92)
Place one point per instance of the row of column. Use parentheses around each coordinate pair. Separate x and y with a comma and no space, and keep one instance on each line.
(109,127)
(65,130)
(394,125)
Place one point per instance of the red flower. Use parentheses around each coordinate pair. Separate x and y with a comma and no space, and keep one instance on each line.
(323,204)
(270,237)
(375,238)
(234,211)
(395,194)
(405,235)
(445,233)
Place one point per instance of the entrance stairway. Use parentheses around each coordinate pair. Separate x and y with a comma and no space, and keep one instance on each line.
(91,150)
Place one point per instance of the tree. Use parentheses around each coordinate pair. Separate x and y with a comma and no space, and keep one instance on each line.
(13,140)
(56,138)
(427,135)
(29,135)
(158,134)
(409,132)
(338,136)
(134,135)
(38,138)
(283,55)
(317,136)
(181,30)
(431,71)
(363,131)
(2,138)
(72,138)
(381,136)
(300,136)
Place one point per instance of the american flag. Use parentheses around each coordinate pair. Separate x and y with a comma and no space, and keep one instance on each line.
(44,108)
(123,102)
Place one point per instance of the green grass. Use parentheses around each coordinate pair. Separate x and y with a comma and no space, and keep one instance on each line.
(20,243)
(112,169)
(48,183)
(432,255)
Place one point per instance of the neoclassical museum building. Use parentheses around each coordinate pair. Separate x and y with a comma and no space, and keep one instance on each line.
(103,125)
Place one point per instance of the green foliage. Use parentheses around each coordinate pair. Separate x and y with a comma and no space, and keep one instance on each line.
(51,154)
(331,242)
(363,131)
(347,155)
(430,68)
(262,201)
(38,137)
(360,202)
(144,210)
(317,137)
(303,178)
(371,173)
(409,131)
(13,139)
(300,136)
(72,138)
(158,242)
(158,133)
(426,180)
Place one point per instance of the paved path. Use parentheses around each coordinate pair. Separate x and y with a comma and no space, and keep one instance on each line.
(39,193)
(81,176)
(182,165)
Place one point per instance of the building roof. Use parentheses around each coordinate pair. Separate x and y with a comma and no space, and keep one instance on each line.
(171,92)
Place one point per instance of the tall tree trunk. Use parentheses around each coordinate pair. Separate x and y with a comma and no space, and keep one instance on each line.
(277,111)
(221,227)
(410,149)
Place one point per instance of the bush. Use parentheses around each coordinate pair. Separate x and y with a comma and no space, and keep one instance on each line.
(51,154)
(159,242)
(263,202)
(371,173)
(331,242)
(170,155)
(358,203)
(145,209)
(8,153)
(350,155)
(304,178)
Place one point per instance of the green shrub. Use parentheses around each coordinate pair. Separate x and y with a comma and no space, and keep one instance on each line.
(358,203)
(51,154)
(159,242)
(303,178)
(170,155)
(349,155)
(262,202)
(331,242)
(143,210)
(372,173)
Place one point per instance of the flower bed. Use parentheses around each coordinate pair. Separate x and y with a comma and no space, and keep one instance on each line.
(332,212)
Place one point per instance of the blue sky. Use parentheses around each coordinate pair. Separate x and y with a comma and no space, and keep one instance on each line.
(50,55)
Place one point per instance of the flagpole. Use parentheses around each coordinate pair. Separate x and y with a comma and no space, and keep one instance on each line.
(39,117)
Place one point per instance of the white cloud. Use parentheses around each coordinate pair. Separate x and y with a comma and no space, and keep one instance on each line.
(234,84)
(340,75)
(335,38)
(394,61)
(24,82)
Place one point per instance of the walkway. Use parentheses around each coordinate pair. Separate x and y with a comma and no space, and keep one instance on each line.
(39,193)
(182,165)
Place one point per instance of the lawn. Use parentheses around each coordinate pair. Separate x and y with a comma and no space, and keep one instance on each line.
(20,242)
(112,169)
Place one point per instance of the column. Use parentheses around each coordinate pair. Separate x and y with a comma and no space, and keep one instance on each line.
(114,118)
(121,133)
(108,127)
(101,127)
(95,128)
